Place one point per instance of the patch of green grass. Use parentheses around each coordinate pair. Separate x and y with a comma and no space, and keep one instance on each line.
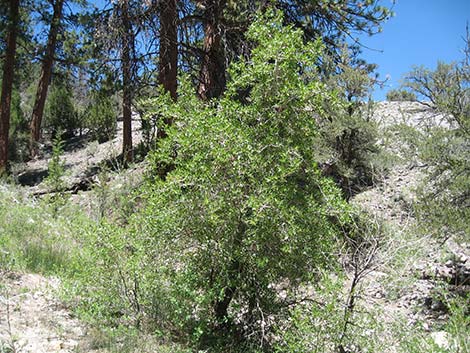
(31,238)
(127,340)
(452,337)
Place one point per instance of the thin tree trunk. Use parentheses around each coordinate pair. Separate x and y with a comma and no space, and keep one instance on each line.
(168,53)
(45,78)
(127,43)
(221,305)
(7,83)
(212,75)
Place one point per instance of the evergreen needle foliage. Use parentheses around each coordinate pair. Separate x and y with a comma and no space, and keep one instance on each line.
(56,167)
(401,95)
(100,117)
(445,201)
(56,172)
(60,111)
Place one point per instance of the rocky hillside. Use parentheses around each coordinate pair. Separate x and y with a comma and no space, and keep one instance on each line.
(401,281)
(411,268)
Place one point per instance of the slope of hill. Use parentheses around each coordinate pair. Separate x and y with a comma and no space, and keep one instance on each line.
(402,281)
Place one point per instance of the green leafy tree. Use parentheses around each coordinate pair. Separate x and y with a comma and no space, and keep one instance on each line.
(245,207)
(218,35)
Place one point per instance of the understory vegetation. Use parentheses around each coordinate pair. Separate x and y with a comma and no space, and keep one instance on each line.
(445,202)
(243,235)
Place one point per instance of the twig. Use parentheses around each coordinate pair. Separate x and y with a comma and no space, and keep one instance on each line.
(11,343)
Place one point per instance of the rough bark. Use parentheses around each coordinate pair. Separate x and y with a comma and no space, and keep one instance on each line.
(168,46)
(212,75)
(168,53)
(7,82)
(127,44)
(45,77)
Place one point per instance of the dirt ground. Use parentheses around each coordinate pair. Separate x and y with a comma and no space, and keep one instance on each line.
(32,319)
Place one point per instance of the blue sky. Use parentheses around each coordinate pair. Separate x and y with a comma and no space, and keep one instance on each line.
(421,33)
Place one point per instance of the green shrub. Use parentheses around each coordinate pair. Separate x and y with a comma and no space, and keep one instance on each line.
(348,151)
(243,210)
(60,114)
(445,203)
(346,146)
(245,207)
(111,298)
(317,324)
(55,174)
(100,117)
(56,167)
(400,95)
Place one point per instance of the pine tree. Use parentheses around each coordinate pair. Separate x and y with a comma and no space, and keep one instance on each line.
(212,73)
(127,47)
(168,54)
(45,77)
(7,82)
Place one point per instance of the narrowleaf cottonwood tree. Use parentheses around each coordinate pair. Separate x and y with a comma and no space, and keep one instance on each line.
(45,76)
(245,206)
(7,81)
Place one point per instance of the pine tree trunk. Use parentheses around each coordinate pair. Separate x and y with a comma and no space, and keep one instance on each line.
(167,75)
(127,43)
(7,83)
(168,46)
(45,77)
(212,74)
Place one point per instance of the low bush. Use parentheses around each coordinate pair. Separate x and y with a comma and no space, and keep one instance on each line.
(60,114)
(101,117)
(445,200)
(401,95)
